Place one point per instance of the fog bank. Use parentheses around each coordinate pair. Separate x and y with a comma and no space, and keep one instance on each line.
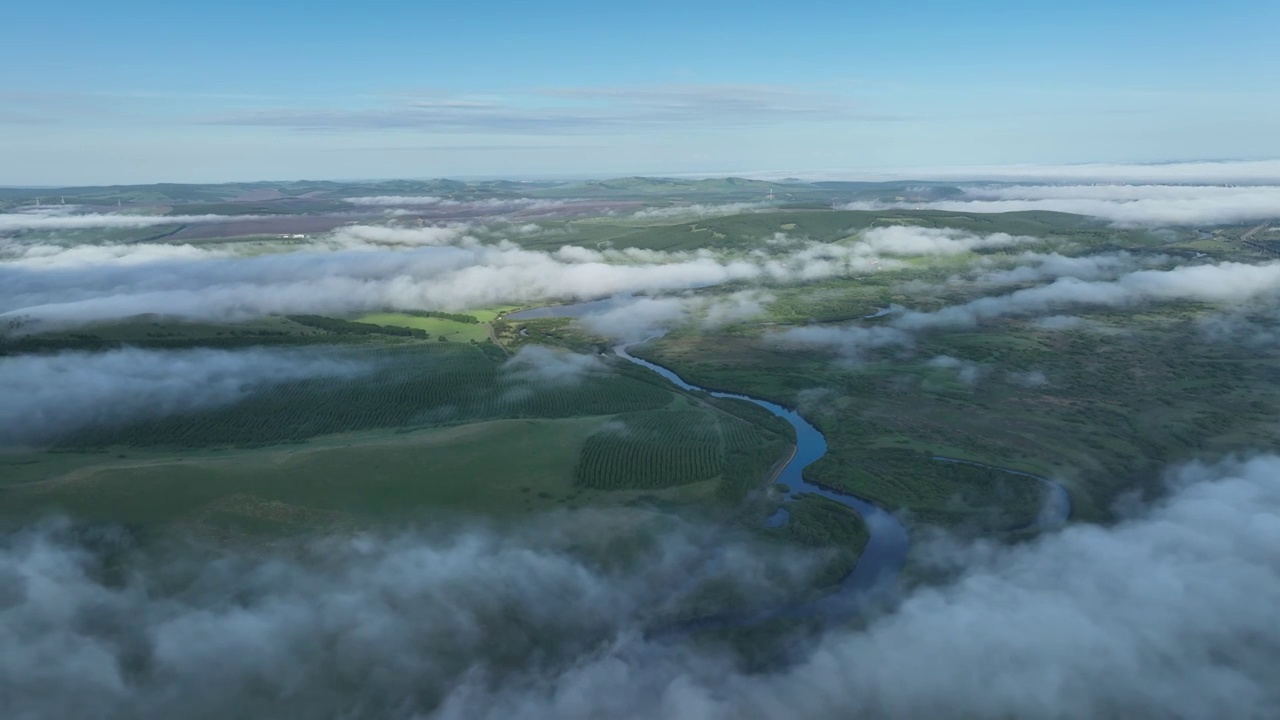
(1168,613)
(12,222)
(44,396)
(1123,205)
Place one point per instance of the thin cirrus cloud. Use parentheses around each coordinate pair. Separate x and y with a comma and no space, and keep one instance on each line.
(565,110)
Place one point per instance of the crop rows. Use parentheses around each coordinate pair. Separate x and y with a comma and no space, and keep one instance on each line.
(658,449)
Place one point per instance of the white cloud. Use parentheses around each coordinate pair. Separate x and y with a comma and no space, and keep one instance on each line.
(58,221)
(1124,205)
(1206,172)
(1226,284)
(43,255)
(431,201)
(1168,613)
(547,366)
(699,210)
(1034,267)
(355,237)
(638,319)
(850,341)
(362,268)
(1222,283)
(1061,322)
(42,396)
(908,241)
(578,254)
(967,371)
(732,308)
(374,235)
(1029,378)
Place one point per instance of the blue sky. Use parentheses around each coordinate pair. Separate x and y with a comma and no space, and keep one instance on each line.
(94,92)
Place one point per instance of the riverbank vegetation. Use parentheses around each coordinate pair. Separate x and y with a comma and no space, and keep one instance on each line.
(445,410)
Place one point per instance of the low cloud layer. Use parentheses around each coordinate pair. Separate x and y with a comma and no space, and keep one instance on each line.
(637,319)
(1224,283)
(365,626)
(543,366)
(431,201)
(851,342)
(1036,267)
(1227,284)
(700,211)
(62,255)
(882,248)
(363,268)
(1169,613)
(1124,205)
(641,318)
(44,396)
(445,278)
(1256,172)
(61,221)
(1029,378)
(48,255)
(454,266)
(967,372)
(906,241)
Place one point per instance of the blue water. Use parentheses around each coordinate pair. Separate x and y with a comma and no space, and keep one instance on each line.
(876,573)
(886,551)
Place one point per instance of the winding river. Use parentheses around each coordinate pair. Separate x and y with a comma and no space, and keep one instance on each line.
(876,571)
(886,550)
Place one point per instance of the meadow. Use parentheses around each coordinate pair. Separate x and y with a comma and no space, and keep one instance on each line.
(411,385)
(1103,408)
(431,429)
(498,470)
(436,327)
(439,425)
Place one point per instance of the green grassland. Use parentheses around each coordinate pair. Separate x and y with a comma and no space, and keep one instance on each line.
(282,194)
(496,469)
(1116,407)
(655,190)
(750,231)
(349,450)
(148,331)
(437,426)
(161,333)
(434,326)
(1129,393)
(489,314)
(409,385)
